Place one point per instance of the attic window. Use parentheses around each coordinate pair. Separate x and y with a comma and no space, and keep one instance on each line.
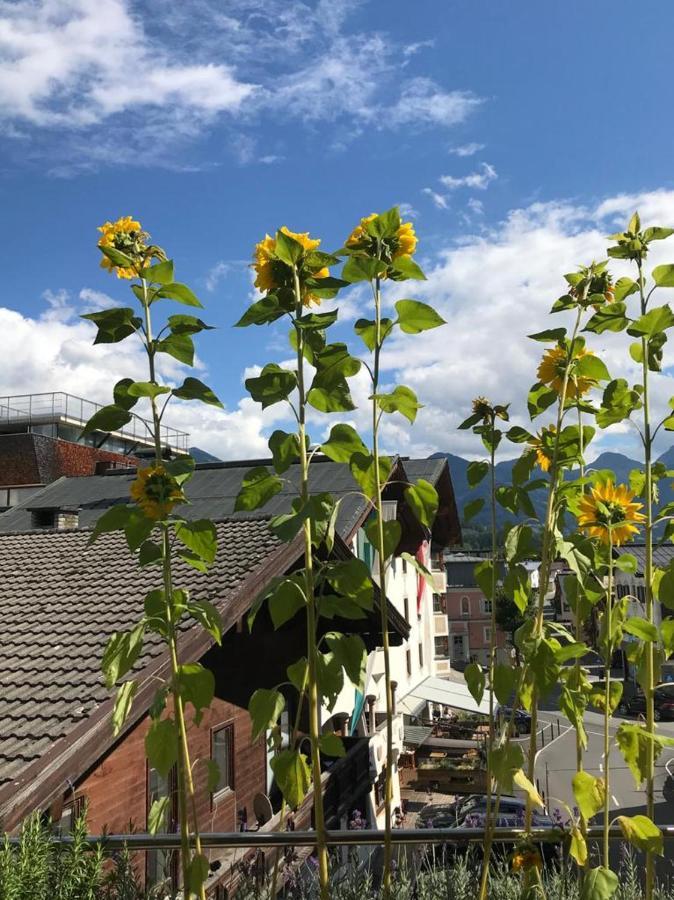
(43,518)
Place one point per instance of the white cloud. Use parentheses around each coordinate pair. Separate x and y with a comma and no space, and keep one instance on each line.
(478,180)
(495,289)
(423,102)
(440,201)
(75,63)
(407,211)
(492,289)
(466,149)
(68,70)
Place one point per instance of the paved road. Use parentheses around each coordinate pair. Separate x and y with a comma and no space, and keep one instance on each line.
(556,765)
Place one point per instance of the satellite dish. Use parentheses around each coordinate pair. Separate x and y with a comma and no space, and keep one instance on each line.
(262,809)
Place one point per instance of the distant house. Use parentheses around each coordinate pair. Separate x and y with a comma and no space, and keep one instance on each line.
(469,613)
(56,747)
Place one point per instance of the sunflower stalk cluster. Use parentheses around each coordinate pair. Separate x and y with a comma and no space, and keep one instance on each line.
(294,275)
(156,532)
(587,516)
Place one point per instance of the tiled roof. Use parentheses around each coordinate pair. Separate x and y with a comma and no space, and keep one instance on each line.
(61,600)
(663,554)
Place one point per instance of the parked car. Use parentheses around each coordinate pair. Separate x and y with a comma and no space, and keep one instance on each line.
(471,812)
(633,702)
(466,811)
(521,721)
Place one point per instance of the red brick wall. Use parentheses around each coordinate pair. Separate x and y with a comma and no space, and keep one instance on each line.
(37,459)
(78,459)
(116,791)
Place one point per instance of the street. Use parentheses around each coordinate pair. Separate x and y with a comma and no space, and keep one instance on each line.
(556,765)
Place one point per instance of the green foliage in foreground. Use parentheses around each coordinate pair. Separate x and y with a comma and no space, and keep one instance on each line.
(41,869)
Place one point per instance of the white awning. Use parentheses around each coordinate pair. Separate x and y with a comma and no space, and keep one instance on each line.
(438,690)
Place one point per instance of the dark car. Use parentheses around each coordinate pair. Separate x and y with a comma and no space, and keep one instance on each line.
(521,721)
(469,811)
(633,702)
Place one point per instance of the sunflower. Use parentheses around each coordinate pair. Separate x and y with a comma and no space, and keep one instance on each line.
(404,243)
(526,859)
(270,270)
(125,235)
(482,407)
(609,513)
(551,371)
(156,492)
(541,444)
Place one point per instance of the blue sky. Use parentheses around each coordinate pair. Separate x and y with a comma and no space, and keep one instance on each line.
(515,134)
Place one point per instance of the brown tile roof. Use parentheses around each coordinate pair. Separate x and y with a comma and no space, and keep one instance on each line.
(60,602)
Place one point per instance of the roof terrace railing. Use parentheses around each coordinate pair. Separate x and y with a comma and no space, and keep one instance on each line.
(58,406)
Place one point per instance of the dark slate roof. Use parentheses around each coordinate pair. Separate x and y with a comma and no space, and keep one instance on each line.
(662,555)
(61,601)
(212,492)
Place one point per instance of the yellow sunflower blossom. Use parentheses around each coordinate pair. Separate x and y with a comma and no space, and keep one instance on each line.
(551,371)
(407,240)
(156,492)
(359,234)
(404,243)
(526,859)
(539,442)
(481,407)
(120,235)
(610,513)
(265,262)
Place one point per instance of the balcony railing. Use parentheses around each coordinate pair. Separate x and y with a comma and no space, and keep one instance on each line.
(60,408)
(368,837)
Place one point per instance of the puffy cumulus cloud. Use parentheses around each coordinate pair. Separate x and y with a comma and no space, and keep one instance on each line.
(495,289)
(68,63)
(492,289)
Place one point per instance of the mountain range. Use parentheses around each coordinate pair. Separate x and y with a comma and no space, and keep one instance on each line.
(620,464)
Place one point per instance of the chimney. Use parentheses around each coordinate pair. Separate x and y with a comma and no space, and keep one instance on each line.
(61,518)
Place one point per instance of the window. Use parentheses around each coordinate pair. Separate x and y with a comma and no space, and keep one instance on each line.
(457,640)
(641,593)
(407,609)
(487,633)
(162,865)
(486,606)
(438,603)
(465,607)
(408,660)
(622,590)
(222,752)
(71,813)
(421,655)
(404,567)
(441,647)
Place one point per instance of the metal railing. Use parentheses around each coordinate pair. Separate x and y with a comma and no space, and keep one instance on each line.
(368,837)
(60,408)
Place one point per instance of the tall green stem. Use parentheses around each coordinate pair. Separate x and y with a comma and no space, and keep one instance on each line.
(388,783)
(648,577)
(579,628)
(491,817)
(312,617)
(186,793)
(607,702)
(546,562)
